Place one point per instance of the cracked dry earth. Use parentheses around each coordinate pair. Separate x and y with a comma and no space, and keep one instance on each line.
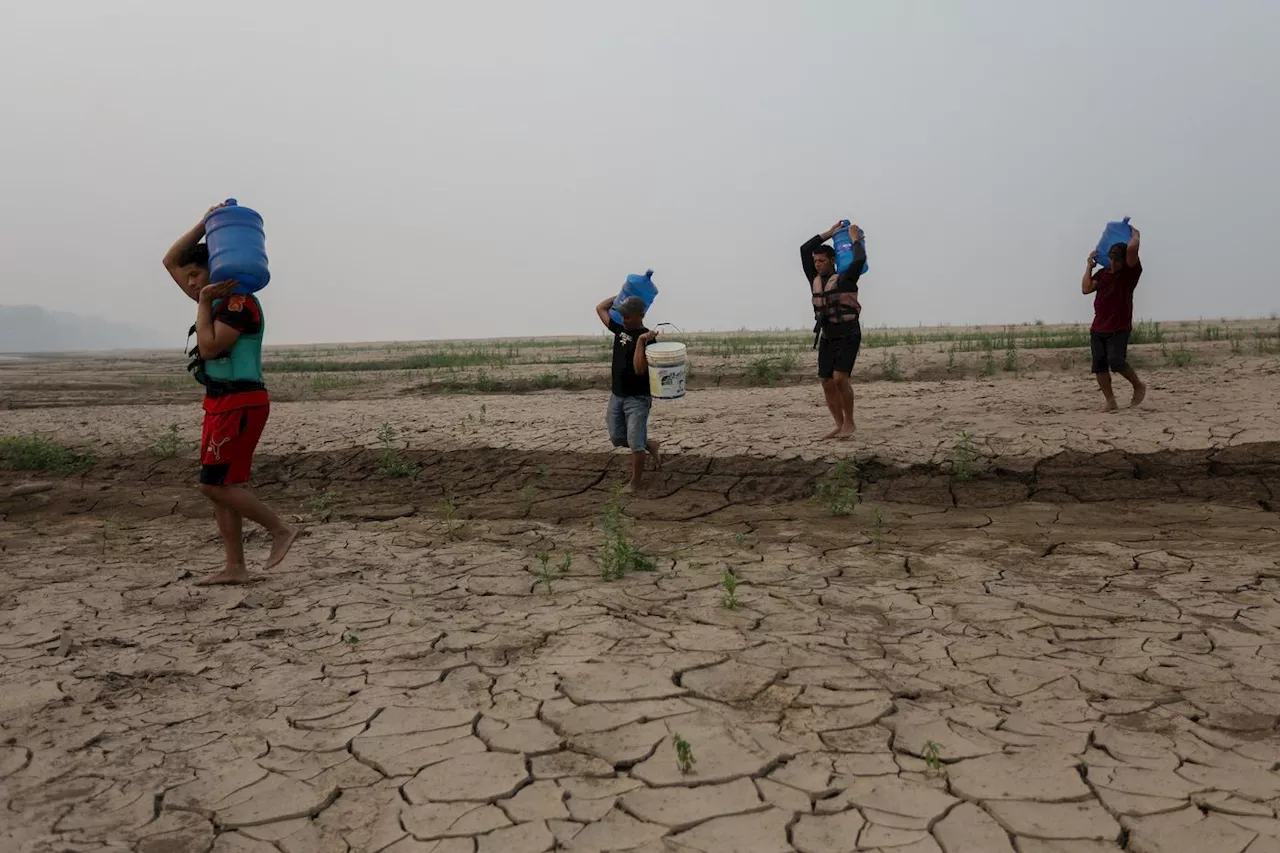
(1075,652)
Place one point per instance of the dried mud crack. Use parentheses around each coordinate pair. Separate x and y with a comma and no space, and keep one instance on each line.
(1075,651)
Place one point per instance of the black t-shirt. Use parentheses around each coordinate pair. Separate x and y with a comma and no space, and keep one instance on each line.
(625,381)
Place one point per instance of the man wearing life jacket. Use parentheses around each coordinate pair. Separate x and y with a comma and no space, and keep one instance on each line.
(227,360)
(836,328)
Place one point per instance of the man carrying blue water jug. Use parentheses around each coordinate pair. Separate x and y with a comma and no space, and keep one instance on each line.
(630,400)
(836,312)
(1112,288)
(227,360)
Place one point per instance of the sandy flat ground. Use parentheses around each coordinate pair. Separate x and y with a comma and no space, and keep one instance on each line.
(1069,643)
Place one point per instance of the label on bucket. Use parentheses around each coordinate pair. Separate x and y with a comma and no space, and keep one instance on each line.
(666,383)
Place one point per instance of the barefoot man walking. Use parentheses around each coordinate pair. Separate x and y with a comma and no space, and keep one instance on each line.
(1112,288)
(227,360)
(837,330)
(630,401)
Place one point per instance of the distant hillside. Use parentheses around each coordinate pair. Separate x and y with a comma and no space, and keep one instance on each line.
(30,328)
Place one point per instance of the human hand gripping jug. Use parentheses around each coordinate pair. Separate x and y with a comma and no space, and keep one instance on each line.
(843,244)
(237,247)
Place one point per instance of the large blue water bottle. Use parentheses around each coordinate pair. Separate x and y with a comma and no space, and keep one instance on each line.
(844,248)
(237,247)
(637,285)
(1115,232)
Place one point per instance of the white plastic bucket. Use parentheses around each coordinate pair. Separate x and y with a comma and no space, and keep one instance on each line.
(666,369)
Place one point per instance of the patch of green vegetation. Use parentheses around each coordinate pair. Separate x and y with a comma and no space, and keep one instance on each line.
(838,488)
(169,442)
(684,754)
(730,583)
(324,503)
(963,456)
(1011,358)
(450,508)
(36,453)
(391,463)
(546,574)
(877,526)
(618,557)
(890,368)
(933,756)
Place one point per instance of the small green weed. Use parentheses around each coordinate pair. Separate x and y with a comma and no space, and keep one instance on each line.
(324,503)
(877,526)
(449,508)
(527,496)
(1181,356)
(762,371)
(933,756)
(988,364)
(37,453)
(391,463)
(963,456)
(684,754)
(618,557)
(168,444)
(546,574)
(730,583)
(838,489)
(890,367)
(1011,358)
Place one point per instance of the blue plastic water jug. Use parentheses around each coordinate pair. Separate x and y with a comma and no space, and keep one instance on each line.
(1115,232)
(844,248)
(637,285)
(237,247)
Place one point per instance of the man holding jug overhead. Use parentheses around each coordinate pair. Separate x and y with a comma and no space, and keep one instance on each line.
(630,400)
(836,327)
(227,360)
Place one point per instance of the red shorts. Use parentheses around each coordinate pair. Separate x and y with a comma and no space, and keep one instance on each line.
(227,445)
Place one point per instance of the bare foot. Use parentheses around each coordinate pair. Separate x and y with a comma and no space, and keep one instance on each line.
(845,432)
(230,575)
(835,432)
(1139,394)
(1111,405)
(281,542)
(655,450)
(631,488)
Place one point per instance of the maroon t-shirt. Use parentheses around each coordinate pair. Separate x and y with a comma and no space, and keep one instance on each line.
(1113,299)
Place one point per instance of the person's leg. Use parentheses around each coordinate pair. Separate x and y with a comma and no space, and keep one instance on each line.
(637,416)
(231,530)
(846,356)
(830,391)
(844,390)
(227,461)
(1102,368)
(1118,358)
(615,419)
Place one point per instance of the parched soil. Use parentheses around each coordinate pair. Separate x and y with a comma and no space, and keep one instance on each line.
(1042,628)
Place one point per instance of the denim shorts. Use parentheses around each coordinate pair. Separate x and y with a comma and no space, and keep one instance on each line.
(628,420)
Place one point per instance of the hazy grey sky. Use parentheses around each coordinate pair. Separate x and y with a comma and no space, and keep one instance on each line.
(452,169)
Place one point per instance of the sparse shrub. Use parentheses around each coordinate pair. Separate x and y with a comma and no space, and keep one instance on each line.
(37,453)
(838,489)
(963,457)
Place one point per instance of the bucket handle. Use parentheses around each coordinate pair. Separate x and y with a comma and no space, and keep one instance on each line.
(672,325)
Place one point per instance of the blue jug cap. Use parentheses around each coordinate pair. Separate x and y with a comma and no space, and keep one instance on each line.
(231,202)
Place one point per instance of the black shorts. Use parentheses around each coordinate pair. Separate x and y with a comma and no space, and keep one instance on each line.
(1110,351)
(838,349)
